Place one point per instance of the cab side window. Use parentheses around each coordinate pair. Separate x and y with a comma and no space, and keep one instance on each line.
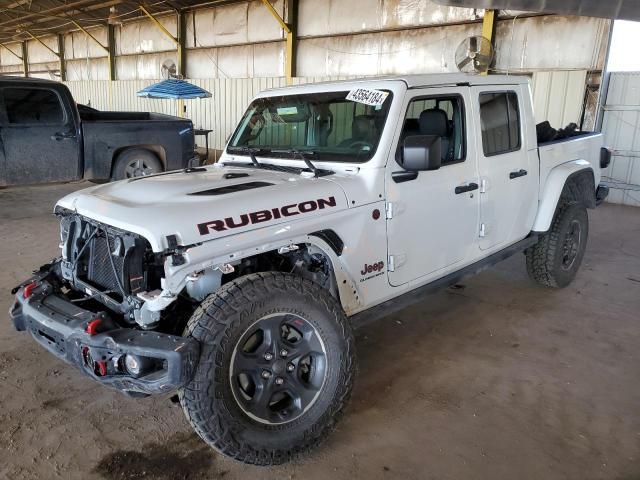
(441,116)
(32,106)
(499,122)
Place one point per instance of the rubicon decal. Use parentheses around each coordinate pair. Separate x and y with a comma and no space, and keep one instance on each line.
(265,215)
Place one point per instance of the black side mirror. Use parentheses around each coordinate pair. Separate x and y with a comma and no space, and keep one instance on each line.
(422,152)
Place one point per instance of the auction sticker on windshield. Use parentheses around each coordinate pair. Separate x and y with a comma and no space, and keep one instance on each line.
(367,96)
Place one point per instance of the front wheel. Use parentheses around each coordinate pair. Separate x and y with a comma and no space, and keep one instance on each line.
(276,368)
(554,261)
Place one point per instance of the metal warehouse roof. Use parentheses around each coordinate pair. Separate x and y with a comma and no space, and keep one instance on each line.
(21,18)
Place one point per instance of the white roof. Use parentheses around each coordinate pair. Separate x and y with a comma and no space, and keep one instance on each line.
(411,81)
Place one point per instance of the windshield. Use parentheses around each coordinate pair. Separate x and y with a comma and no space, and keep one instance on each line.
(326,125)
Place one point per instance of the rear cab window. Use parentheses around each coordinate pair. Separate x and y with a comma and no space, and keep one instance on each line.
(499,122)
(32,106)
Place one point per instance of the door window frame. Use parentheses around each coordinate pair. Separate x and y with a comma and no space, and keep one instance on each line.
(519,146)
(5,118)
(463,117)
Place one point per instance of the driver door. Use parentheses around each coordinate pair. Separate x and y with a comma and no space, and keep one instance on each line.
(433,216)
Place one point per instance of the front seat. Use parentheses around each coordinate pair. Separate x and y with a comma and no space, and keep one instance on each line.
(435,122)
(363,129)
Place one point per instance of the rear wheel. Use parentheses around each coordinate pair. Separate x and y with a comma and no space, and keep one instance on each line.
(276,368)
(554,261)
(136,162)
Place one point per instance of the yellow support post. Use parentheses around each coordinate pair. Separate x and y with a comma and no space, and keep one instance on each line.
(290,51)
(489,30)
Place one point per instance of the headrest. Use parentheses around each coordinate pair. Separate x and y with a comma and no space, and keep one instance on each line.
(434,122)
(363,127)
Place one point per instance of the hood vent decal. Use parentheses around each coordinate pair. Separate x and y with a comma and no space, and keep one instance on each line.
(240,187)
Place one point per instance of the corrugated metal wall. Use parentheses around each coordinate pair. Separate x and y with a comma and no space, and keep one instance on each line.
(621,128)
(556,95)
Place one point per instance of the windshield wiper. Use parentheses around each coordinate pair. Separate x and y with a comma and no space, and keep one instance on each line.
(304,154)
(251,152)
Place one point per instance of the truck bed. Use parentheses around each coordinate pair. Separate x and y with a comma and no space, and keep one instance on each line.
(87,115)
(582,146)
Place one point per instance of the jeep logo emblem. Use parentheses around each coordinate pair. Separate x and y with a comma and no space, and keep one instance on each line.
(376,267)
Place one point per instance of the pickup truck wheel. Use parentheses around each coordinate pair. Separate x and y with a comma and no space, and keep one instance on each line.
(136,162)
(554,261)
(276,368)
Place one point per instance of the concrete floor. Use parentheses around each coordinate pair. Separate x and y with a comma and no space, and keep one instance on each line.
(499,379)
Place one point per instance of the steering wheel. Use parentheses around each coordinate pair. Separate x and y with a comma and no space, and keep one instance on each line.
(360,143)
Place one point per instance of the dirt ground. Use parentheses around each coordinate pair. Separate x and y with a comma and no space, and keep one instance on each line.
(495,379)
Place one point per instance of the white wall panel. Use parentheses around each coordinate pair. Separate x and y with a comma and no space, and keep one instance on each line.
(147,66)
(145,36)
(621,128)
(79,45)
(234,24)
(38,53)
(6,58)
(334,17)
(429,50)
(550,42)
(558,96)
(89,68)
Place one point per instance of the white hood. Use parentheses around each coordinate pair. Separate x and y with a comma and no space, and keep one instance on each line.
(183,204)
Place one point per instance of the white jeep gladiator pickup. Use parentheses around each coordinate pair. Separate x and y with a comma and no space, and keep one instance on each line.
(236,285)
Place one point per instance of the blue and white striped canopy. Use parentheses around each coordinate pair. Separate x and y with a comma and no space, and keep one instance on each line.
(173,88)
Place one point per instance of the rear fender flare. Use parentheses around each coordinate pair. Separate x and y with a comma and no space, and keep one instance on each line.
(558,178)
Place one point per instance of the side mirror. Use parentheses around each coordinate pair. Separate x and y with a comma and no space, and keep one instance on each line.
(422,152)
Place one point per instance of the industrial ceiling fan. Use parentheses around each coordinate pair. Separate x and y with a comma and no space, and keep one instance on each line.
(474,55)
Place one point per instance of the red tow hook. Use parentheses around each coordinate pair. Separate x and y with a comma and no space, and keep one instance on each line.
(28,289)
(102,368)
(92,326)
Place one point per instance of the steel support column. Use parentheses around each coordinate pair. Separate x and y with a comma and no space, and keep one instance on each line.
(25,59)
(182,36)
(63,63)
(489,30)
(111,51)
(289,30)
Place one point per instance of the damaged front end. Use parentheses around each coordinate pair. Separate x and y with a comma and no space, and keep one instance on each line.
(86,306)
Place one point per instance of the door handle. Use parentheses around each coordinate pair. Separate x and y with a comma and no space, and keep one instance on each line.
(466,188)
(62,136)
(519,173)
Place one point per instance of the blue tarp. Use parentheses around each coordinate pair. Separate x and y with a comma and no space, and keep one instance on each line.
(173,88)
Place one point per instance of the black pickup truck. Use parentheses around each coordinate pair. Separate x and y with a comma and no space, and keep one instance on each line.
(46,137)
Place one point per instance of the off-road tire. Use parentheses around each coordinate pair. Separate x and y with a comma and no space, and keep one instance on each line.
(218,324)
(545,259)
(149,163)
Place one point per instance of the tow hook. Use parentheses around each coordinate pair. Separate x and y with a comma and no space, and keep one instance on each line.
(99,367)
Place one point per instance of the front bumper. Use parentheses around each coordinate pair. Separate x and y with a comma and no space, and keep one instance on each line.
(60,326)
